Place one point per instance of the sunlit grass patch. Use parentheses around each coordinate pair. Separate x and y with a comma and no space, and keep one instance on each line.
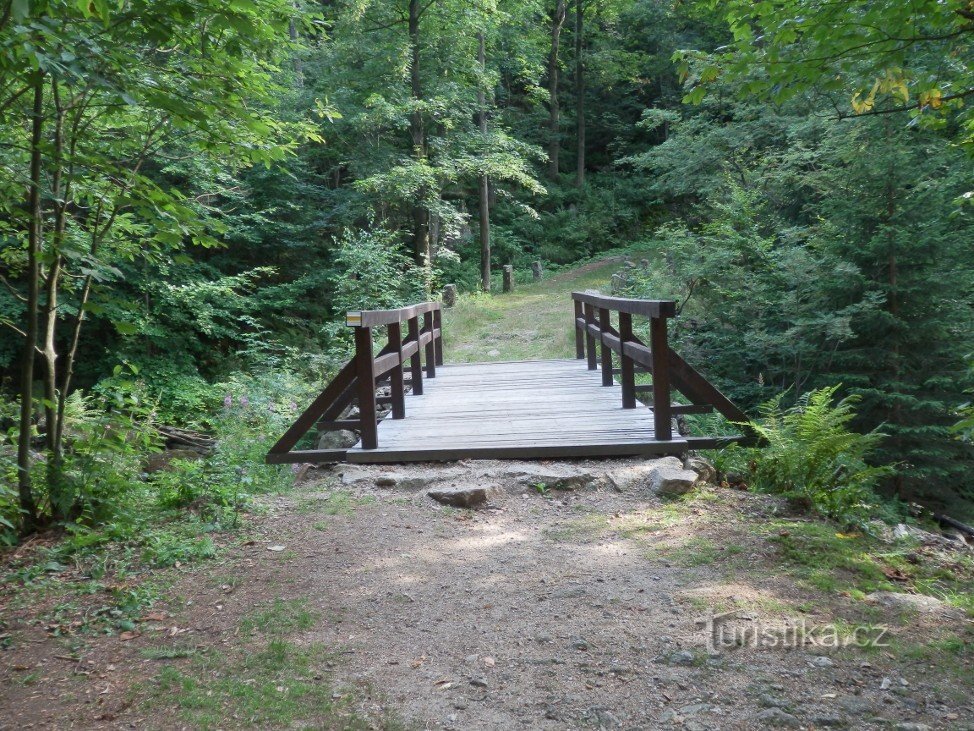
(281,617)
(338,502)
(821,556)
(697,551)
(278,686)
(532,322)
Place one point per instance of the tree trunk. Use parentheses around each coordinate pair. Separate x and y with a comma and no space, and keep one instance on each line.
(554,139)
(53,410)
(27,504)
(484,180)
(417,130)
(579,94)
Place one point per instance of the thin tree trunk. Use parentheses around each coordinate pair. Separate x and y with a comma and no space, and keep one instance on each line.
(893,304)
(28,505)
(554,137)
(484,179)
(292,29)
(579,94)
(54,412)
(417,130)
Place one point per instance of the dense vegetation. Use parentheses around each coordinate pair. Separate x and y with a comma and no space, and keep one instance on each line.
(192,190)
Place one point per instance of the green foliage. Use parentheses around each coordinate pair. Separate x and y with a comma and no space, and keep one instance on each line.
(861,56)
(810,453)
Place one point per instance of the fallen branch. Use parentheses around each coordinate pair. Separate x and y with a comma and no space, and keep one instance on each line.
(947,521)
(181,437)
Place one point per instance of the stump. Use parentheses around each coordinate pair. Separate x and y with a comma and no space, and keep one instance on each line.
(508,278)
(536,270)
(449,295)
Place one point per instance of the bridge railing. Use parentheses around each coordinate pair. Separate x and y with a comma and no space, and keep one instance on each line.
(593,327)
(358,379)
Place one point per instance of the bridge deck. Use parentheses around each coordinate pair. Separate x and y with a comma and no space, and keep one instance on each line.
(523,410)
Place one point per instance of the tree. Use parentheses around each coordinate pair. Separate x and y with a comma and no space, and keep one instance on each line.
(554,113)
(484,181)
(579,94)
(104,96)
(855,58)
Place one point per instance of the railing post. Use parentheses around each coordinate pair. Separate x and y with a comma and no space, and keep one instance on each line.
(415,363)
(604,325)
(438,325)
(626,365)
(364,364)
(661,379)
(579,335)
(589,337)
(430,346)
(396,386)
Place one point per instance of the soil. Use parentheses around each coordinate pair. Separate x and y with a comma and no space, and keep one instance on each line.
(540,610)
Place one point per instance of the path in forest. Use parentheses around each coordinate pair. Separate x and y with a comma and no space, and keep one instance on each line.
(583,608)
(531,323)
(357,601)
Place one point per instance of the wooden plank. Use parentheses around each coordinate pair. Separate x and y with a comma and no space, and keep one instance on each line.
(645,308)
(313,456)
(604,326)
(397,389)
(579,337)
(661,378)
(590,332)
(415,366)
(375,318)
(366,387)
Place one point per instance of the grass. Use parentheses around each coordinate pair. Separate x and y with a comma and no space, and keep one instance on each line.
(271,681)
(283,616)
(280,685)
(822,557)
(533,322)
(338,502)
(698,551)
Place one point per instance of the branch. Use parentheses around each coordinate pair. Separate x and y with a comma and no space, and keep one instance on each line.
(904,108)
(17,295)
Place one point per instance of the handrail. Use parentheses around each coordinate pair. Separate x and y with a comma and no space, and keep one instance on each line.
(357,379)
(392,360)
(593,324)
(371,318)
(645,308)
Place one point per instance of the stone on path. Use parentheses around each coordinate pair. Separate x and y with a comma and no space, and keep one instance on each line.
(706,472)
(459,497)
(560,477)
(909,602)
(666,477)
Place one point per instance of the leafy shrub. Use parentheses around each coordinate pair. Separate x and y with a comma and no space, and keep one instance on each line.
(812,455)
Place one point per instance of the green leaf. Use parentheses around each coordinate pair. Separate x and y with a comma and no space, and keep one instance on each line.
(20,9)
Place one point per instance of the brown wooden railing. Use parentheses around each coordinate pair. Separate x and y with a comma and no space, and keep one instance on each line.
(358,379)
(593,324)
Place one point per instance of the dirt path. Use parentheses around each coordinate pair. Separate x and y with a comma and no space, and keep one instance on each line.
(359,606)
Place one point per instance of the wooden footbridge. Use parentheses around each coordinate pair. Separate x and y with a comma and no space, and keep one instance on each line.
(408,411)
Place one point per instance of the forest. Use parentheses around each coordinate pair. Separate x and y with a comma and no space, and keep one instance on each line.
(194,192)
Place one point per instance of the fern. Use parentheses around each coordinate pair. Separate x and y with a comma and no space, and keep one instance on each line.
(812,454)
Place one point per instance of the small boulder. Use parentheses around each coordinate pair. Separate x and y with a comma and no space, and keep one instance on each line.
(459,497)
(907,602)
(337,439)
(670,481)
(554,477)
(640,475)
(706,472)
